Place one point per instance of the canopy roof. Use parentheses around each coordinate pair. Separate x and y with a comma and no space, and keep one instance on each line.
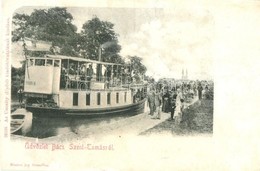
(81,59)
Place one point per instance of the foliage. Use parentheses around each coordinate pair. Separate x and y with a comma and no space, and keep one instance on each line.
(17,76)
(136,65)
(138,68)
(53,25)
(97,34)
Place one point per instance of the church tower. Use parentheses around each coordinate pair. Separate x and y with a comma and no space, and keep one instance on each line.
(186,77)
(182,74)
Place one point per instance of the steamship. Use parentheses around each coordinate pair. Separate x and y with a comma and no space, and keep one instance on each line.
(71,86)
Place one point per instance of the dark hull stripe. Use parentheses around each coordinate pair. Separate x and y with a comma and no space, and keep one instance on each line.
(128,109)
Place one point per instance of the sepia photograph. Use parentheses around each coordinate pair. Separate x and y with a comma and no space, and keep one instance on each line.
(113,85)
(77,71)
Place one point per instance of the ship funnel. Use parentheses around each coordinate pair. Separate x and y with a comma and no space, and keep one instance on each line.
(99,53)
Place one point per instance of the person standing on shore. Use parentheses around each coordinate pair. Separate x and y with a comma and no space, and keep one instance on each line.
(200,88)
(194,89)
(20,95)
(173,102)
(150,98)
(157,102)
(166,102)
(179,107)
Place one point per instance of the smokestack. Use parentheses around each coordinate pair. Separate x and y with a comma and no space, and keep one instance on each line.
(99,53)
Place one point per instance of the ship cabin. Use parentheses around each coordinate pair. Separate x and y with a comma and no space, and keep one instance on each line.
(56,81)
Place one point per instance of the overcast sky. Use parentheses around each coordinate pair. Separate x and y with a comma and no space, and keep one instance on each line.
(168,40)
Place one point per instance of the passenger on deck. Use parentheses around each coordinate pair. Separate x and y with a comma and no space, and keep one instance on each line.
(82,72)
(89,75)
(63,77)
(108,74)
(72,70)
(99,72)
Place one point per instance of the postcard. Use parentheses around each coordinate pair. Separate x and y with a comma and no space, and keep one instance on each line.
(120,85)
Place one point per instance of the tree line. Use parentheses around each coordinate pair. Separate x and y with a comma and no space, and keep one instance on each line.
(55,25)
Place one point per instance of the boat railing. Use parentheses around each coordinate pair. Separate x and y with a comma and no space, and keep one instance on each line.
(83,82)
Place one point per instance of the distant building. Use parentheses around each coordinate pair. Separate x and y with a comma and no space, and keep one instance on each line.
(184,76)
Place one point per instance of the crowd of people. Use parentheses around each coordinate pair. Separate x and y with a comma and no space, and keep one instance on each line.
(113,76)
(170,99)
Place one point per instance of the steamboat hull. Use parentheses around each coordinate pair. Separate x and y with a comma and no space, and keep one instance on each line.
(132,109)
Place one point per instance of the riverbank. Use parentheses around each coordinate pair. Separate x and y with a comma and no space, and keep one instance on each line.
(197,120)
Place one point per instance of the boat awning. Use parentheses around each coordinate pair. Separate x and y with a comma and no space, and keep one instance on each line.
(81,59)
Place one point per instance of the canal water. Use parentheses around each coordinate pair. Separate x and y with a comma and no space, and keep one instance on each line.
(43,127)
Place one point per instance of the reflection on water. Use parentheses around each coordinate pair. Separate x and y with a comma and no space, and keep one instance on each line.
(43,127)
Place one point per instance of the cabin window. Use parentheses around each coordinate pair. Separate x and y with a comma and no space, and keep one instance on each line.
(56,63)
(98,98)
(40,62)
(117,97)
(75,99)
(108,98)
(49,62)
(125,96)
(88,99)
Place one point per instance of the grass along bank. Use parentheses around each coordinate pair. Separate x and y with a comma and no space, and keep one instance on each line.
(197,120)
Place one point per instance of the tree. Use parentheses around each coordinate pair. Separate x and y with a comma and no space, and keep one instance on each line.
(136,65)
(138,69)
(52,25)
(97,34)
(17,76)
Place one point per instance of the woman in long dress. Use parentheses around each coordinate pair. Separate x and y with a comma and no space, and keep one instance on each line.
(173,102)
(157,103)
(165,102)
(150,98)
(179,107)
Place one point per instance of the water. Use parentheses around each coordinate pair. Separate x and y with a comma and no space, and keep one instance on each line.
(48,127)
(43,127)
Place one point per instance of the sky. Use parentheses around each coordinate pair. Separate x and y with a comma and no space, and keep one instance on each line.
(167,39)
